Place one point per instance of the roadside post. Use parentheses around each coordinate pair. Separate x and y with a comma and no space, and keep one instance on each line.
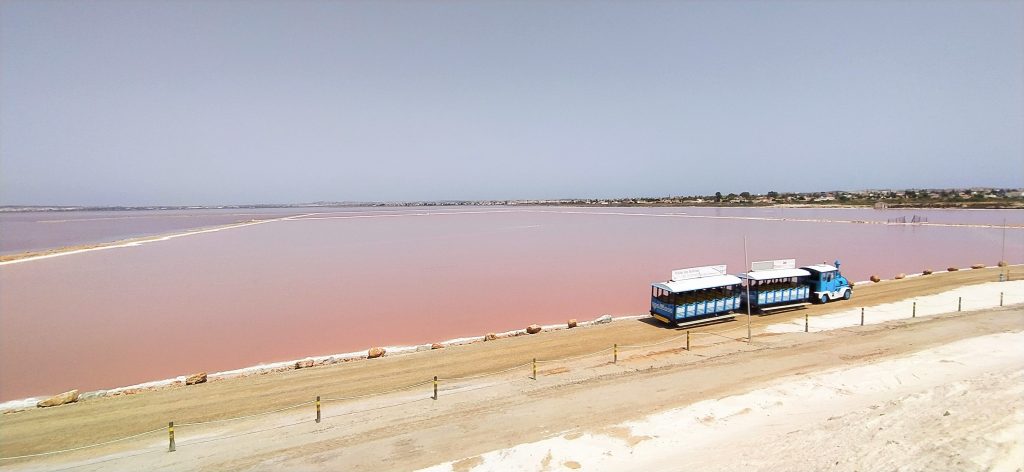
(170,436)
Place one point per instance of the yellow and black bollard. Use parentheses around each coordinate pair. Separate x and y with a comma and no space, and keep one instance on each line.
(615,353)
(862,316)
(687,340)
(435,387)
(959,303)
(913,314)
(534,368)
(170,436)
(806,322)
(1000,298)
(318,408)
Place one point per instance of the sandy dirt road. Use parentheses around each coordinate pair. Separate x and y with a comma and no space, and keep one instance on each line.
(957,406)
(475,415)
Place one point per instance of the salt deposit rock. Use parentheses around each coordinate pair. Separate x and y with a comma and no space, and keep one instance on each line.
(900,276)
(603,319)
(102,393)
(978,266)
(66,397)
(490,337)
(375,352)
(196,379)
(874,278)
(533,329)
(437,346)
(1002,264)
(572,323)
(952,269)
(927,272)
(305,364)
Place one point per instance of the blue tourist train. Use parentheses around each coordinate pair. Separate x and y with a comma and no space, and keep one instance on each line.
(699,293)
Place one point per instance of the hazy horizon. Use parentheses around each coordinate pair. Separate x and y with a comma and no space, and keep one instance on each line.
(357,202)
(236,103)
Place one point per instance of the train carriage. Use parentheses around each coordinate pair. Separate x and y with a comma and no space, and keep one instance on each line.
(695,293)
(776,282)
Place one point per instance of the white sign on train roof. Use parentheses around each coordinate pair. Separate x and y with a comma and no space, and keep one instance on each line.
(697,272)
(776,264)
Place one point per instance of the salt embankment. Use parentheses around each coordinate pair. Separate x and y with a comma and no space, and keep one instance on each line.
(28,403)
(900,276)
(135,242)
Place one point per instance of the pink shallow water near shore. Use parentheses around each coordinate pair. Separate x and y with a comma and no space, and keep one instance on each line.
(339,282)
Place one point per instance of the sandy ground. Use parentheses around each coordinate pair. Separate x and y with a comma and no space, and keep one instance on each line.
(941,408)
(589,397)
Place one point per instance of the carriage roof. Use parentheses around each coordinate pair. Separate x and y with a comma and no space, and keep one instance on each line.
(821,267)
(769,274)
(689,285)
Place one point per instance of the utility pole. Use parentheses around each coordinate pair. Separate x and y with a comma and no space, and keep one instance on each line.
(747,284)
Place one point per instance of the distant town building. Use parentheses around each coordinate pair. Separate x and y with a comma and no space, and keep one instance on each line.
(881,205)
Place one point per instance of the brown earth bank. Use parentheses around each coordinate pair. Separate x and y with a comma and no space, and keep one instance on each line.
(463,416)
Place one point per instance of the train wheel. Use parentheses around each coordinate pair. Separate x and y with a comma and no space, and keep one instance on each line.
(824,298)
(848,294)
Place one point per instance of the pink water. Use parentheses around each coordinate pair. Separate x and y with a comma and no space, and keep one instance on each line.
(294,288)
(38,230)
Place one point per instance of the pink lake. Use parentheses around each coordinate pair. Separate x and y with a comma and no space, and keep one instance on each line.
(342,281)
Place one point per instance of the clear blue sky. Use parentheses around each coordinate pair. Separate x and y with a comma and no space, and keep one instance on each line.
(178,102)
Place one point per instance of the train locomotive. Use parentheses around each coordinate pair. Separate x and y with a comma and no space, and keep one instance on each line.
(701,293)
